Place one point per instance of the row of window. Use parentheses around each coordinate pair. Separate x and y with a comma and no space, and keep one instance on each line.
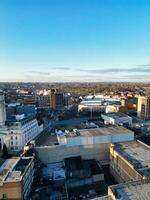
(12,143)
(12,137)
(14,148)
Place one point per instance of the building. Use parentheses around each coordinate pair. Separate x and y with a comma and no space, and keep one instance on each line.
(27,99)
(143,109)
(114,108)
(16,177)
(82,172)
(99,103)
(130,161)
(91,105)
(88,143)
(130,103)
(53,99)
(117,119)
(2,110)
(57,99)
(19,130)
(95,136)
(43,101)
(17,109)
(133,190)
(26,110)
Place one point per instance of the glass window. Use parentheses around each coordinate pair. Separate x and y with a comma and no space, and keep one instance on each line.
(4,196)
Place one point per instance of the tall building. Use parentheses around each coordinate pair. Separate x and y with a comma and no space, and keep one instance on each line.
(130,103)
(2,110)
(143,109)
(56,99)
(16,177)
(43,101)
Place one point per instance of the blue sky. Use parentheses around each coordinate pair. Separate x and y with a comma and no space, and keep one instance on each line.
(74,40)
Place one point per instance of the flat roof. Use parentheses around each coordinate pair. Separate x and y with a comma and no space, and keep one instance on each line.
(12,169)
(50,140)
(137,153)
(25,120)
(116,115)
(46,140)
(135,190)
(91,103)
(103,131)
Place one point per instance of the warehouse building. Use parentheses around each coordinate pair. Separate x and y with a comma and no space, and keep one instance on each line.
(88,143)
(93,136)
(117,118)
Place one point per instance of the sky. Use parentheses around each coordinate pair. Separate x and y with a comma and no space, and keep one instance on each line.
(74,40)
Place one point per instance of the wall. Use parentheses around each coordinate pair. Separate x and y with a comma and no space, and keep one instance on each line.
(12,191)
(101,139)
(57,153)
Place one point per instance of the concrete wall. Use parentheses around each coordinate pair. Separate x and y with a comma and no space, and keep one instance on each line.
(122,137)
(57,153)
(100,139)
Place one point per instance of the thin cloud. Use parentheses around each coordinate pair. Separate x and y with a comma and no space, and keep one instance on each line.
(81,76)
(137,69)
(144,65)
(62,68)
(41,73)
(137,76)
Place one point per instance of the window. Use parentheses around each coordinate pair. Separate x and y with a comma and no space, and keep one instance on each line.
(4,196)
(16,137)
(11,142)
(11,137)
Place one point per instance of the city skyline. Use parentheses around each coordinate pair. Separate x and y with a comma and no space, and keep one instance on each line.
(64,41)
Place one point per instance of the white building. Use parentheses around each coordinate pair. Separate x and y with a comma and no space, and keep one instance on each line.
(95,136)
(117,118)
(17,132)
(97,103)
(91,104)
(100,136)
